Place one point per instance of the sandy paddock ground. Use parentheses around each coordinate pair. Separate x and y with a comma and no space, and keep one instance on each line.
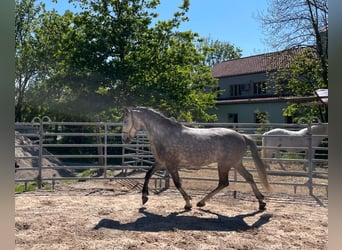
(106,215)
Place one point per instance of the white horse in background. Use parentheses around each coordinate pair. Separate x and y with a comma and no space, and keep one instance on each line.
(279,139)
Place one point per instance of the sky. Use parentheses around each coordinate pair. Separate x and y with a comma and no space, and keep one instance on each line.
(232,21)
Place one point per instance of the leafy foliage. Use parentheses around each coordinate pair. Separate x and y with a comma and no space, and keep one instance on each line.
(114,54)
(27,60)
(302,78)
(300,23)
(216,51)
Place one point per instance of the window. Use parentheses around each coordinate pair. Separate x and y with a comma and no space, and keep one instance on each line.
(259,88)
(235,90)
(232,117)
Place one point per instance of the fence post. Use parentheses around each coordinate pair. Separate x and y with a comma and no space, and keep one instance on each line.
(105,150)
(40,162)
(40,150)
(310,156)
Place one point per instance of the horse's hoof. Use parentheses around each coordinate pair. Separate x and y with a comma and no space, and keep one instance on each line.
(262,205)
(200,204)
(144,199)
(187,207)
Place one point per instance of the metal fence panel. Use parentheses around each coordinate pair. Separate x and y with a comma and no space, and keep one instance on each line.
(97,145)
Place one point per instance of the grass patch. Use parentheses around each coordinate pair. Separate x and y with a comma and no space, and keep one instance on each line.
(88,173)
(31,186)
(297,156)
(93,172)
(20,188)
(68,181)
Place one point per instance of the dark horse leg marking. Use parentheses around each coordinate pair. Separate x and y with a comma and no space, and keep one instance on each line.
(176,181)
(223,182)
(148,175)
(249,178)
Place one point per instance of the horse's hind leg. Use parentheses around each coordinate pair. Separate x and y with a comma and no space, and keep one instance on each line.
(176,181)
(148,175)
(249,178)
(223,182)
(278,155)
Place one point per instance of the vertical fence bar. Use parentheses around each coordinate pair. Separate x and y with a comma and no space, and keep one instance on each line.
(100,160)
(40,150)
(105,150)
(40,157)
(310,160)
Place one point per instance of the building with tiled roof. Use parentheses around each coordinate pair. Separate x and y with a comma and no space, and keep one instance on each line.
(243,85)
(255,64)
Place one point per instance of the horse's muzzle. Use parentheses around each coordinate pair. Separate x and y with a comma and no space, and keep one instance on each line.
(126,139)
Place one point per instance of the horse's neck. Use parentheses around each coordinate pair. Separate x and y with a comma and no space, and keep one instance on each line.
(303,131)
(315,130)
(156,125)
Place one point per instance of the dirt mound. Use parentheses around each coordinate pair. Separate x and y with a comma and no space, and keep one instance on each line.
(30,151)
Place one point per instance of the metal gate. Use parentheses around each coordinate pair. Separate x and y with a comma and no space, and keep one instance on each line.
(97,146)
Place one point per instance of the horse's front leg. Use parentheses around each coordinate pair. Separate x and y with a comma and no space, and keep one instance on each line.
(148,175)
(176,181)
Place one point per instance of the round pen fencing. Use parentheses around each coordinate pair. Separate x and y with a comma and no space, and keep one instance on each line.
(48,151)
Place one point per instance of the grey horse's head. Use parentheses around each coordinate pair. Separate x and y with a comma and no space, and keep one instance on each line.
(129,126)
(319,129)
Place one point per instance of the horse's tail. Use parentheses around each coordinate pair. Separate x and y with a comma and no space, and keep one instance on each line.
(261,166)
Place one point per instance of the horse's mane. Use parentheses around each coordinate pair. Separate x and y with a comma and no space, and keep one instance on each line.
(156,114)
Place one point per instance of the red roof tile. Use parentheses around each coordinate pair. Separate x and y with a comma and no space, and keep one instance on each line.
(255,64)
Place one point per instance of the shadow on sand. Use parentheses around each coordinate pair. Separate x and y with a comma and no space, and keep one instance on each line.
(156,223)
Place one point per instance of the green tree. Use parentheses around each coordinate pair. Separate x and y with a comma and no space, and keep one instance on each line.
(111,55)
(27,61)
(302,78)
(216,51)
(293,24)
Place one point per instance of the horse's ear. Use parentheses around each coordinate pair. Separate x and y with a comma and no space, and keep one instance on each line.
(127,110)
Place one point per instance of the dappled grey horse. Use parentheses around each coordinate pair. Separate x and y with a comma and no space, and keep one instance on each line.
(174,146)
